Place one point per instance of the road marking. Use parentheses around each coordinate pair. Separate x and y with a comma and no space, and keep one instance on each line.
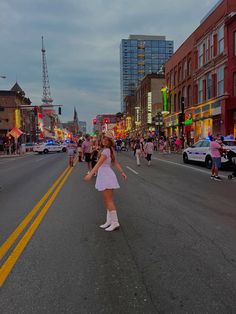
(132,170)
(185,166)
(12,259)
(15,234)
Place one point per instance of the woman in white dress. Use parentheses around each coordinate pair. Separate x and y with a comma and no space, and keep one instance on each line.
(106,180)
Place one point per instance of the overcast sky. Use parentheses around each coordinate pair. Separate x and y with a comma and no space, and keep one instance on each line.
(82,41)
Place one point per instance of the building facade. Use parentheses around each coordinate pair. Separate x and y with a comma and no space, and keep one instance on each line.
(83,127)
(148,101)
(16,112)
(201,78)
(141,55)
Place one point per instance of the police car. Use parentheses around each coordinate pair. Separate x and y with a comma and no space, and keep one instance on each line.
(49,147)
(200,152)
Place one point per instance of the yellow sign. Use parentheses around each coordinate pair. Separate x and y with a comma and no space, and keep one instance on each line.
(17,118)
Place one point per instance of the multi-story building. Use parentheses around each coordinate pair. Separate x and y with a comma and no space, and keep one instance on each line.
(141,55)
(15,111)
(149,101)
(201,77)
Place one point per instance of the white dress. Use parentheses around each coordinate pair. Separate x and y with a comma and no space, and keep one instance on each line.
(106,178)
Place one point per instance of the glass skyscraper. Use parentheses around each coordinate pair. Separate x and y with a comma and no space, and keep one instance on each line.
(141,55)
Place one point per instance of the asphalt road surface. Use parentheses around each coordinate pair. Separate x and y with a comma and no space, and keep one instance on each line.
(174,253)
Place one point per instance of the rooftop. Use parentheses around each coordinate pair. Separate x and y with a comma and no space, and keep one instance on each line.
(147,37)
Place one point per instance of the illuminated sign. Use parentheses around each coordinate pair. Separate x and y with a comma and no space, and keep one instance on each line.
(188,119)
(149,108)
(17,118)
(165,91)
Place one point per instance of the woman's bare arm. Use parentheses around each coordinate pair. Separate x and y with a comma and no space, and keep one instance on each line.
(95,168)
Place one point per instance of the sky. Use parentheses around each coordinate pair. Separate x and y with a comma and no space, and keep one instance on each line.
(82,40)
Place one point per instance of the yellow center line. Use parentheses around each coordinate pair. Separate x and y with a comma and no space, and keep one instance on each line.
(12,259)
(15,234)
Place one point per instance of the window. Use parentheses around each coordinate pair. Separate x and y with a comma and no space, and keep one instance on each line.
(235,43)
(200,91)
(189,67)
(209,86)
(200,56)
(220,81)
(207,50)
(189,96)
(185,69)
(234,82)
(211,46)
(221,39)
(180,75)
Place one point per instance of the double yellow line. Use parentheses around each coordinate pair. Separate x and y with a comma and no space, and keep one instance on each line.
(40,209)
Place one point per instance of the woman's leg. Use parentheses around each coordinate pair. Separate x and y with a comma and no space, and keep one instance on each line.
(112,219)
(108,199)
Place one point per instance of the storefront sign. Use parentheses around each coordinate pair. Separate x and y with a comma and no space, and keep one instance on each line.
(17,118)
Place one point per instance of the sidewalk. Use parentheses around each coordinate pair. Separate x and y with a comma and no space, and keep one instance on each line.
(16,155)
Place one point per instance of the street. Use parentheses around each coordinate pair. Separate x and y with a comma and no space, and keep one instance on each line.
(174,253)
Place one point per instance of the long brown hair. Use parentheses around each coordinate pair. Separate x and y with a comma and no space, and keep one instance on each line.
(111,147)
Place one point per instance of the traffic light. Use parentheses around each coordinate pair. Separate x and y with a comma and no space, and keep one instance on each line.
(59,110)
(94,121)
(181,118)
(35,110)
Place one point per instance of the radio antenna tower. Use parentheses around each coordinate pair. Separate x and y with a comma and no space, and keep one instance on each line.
(46,99)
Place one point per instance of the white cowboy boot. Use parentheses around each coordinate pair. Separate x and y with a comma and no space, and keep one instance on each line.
(108,221)
(114,221)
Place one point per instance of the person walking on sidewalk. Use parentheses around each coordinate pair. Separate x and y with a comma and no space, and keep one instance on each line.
(106,180)
(216,151)
(148,149)
(138,149)
(87,151)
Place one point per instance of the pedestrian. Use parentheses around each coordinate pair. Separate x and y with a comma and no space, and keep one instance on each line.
(87,151)
(106,180)
(138,151)
(148,149)
(216,152)
(177,145)
(71,153)
(94,155)
(80,151)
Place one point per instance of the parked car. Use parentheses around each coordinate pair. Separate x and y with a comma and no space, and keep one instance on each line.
(200,152)
(48,148)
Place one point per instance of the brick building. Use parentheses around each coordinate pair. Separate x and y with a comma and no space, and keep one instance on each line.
(148,101)
(203,73)
(15,111)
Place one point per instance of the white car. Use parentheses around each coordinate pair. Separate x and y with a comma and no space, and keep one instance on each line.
(201,152)
(48,148)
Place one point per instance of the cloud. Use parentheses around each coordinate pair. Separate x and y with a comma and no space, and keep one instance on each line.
(82,40)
